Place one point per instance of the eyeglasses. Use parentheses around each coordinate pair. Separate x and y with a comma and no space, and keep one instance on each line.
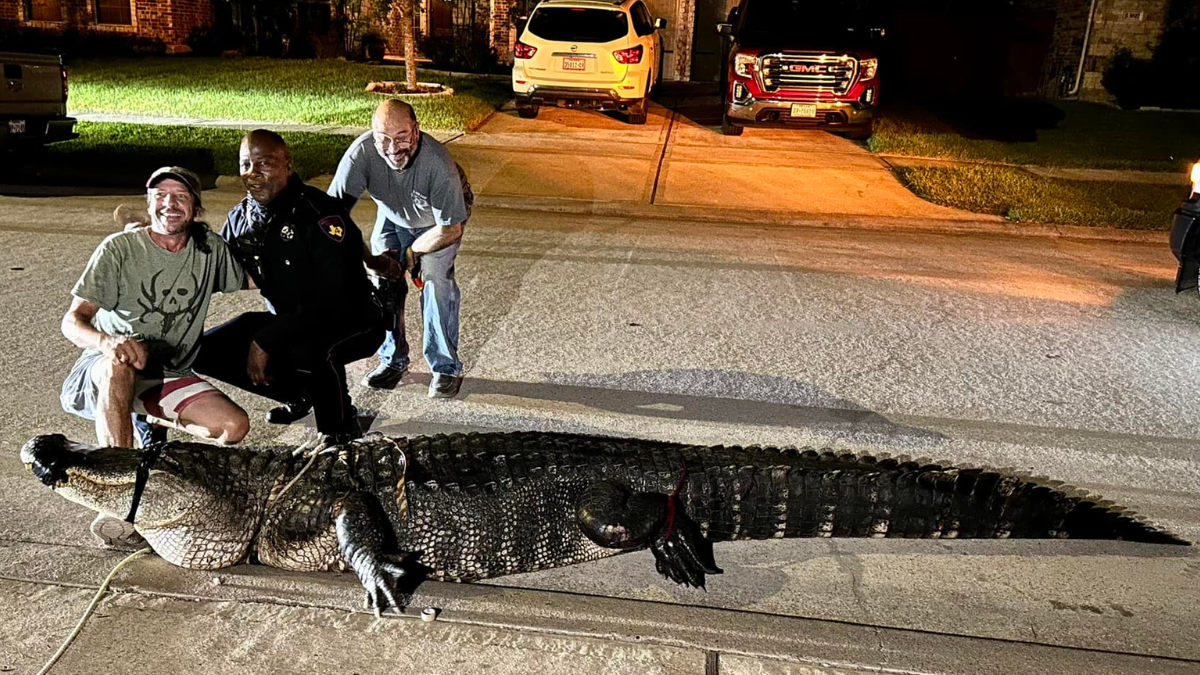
(400,140)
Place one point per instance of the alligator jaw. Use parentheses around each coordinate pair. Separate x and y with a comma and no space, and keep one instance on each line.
(51,455)
(98,478)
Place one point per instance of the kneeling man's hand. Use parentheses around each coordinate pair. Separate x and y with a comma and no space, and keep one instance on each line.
(124,350)
(256,365)
(386,265)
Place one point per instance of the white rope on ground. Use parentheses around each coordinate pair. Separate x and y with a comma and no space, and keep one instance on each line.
(91,608)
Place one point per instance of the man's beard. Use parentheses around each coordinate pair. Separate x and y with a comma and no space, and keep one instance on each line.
(400,162)
(167,228)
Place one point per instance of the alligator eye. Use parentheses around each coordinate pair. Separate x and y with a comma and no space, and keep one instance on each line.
(46,474)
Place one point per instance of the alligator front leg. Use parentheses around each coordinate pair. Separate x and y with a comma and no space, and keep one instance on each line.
(366,540)
(613,516)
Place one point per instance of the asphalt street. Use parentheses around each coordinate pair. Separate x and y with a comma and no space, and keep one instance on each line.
(1066,357)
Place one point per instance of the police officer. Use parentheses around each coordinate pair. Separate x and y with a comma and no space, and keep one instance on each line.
(303,252)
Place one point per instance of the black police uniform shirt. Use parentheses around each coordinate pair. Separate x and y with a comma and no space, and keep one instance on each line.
(305,255)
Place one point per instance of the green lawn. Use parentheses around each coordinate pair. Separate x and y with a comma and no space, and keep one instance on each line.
(1040,133)
(1088,135)
(269,90)
(1020,196)
(141,148)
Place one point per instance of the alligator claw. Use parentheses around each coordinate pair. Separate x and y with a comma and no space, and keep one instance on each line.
(380,581)
(681,552)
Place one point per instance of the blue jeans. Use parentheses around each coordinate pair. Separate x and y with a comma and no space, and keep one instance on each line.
(439,304)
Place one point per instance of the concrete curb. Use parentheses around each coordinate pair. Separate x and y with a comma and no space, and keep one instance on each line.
(766,218)
(740,641)
(1064,173)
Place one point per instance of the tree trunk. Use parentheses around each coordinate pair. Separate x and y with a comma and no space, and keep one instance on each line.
(410,43)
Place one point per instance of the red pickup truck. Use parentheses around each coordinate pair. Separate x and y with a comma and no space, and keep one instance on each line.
(800,63)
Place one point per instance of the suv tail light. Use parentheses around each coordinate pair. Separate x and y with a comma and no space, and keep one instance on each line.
(523,51)
(631,55)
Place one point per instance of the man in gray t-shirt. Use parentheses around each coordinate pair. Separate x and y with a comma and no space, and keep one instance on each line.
(423,202)
(138,313)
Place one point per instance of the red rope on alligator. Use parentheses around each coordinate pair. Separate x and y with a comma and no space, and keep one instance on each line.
(674,496)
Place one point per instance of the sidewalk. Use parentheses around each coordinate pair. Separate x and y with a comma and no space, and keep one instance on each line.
(1068,173)
(679,167)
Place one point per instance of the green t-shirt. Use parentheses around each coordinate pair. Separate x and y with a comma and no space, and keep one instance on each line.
(159,297)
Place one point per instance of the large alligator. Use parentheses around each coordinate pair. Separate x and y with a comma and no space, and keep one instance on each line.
(473,506)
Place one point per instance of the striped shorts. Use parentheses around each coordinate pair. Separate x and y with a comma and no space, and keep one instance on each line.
(164,398)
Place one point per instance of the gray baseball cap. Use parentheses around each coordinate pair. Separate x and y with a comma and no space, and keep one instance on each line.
(191,180)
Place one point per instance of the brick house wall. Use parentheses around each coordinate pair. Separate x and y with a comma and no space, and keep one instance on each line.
(501,29)
(171,21)
(1135,25)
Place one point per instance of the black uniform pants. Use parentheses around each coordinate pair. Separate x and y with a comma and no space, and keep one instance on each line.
(312,368)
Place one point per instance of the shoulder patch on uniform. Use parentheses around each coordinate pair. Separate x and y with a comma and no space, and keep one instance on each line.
(333,227)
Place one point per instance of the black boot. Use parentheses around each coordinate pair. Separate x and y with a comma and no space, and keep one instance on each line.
(289,412)
(349,430)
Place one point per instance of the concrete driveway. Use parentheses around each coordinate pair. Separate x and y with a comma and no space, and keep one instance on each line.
(680,158)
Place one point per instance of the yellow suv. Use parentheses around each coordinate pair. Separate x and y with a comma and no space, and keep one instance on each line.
(604,54)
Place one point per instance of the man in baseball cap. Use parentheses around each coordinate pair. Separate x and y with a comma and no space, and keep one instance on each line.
(138,313)
(179,174)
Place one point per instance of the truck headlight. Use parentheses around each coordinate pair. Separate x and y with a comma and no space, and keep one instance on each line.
(869,66)
(743,63)
(1196,178)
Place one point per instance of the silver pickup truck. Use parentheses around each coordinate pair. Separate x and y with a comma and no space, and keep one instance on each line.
(33,100)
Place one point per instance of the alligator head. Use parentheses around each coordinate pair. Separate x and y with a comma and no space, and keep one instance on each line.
(191,496)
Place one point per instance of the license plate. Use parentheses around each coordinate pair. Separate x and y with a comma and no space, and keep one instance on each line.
(570,63)
(16,126)
(804,110)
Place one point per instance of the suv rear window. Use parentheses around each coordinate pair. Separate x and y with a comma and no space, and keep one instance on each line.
(578,24)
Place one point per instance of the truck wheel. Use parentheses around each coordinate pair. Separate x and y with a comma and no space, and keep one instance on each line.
(527,112)
(637,112)
(729,128)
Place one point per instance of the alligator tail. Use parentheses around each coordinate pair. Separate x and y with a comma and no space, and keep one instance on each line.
(812,494)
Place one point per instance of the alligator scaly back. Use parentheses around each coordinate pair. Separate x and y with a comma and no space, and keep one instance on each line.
(762,492)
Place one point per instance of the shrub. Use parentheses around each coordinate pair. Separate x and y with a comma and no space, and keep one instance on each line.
(73,43)
(373,44)
(1177,60)
(465,50)
(1165,79)
(439,49)
(212,41)
(1129,79)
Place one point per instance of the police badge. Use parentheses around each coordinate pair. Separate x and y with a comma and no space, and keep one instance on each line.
(287,233)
